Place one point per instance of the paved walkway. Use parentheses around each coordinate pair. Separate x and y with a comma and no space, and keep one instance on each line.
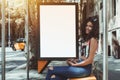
(16,66)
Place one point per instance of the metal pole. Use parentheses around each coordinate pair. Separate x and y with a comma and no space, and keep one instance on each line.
(3,39)
(9,25)
(27,37)
(105,40)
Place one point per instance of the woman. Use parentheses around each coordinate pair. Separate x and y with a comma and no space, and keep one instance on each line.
(82,67)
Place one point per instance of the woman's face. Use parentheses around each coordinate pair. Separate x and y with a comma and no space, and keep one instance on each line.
(89,27)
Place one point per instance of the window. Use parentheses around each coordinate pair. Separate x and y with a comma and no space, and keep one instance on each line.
(114,7)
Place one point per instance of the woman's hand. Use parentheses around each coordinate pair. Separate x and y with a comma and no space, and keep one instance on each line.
(71,62)
(68,61)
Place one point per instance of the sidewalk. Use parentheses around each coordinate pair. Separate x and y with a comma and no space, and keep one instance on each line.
(11,55)
(7,49)
(20,73)
(16,66)
(113,67)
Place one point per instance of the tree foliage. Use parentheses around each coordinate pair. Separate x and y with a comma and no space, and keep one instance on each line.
(15,17)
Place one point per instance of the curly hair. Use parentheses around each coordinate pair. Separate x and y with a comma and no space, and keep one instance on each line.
(94,32)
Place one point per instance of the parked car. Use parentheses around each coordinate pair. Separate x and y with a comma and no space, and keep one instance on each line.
(19,44)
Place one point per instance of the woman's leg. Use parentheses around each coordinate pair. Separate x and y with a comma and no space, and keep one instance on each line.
(68,71)
(78,71)
(57,71)
(56,77)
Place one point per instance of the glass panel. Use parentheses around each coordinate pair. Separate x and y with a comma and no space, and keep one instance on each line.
(14,39)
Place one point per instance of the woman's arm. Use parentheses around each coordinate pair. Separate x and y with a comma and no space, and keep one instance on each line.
(89,60)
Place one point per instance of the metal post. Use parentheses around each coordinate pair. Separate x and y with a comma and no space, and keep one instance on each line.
(105,40)
(27,37)
(9,37)
(3,39)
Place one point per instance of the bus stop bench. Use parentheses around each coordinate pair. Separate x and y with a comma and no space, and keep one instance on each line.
(91,77)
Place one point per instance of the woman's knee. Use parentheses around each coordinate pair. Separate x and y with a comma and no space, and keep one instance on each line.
(53,76)
(51,68)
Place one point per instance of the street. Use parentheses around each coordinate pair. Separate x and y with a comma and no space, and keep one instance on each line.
(16,66)
(13,59)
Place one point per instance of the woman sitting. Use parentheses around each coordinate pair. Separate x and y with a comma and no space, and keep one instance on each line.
(83,66)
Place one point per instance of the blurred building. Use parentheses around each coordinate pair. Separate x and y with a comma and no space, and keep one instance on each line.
(95,7)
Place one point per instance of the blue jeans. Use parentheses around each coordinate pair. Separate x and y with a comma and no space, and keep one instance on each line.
(65,72)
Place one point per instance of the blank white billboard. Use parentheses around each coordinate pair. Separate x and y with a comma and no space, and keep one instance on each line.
(58,33)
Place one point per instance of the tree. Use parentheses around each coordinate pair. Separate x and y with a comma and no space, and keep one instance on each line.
(16,19)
